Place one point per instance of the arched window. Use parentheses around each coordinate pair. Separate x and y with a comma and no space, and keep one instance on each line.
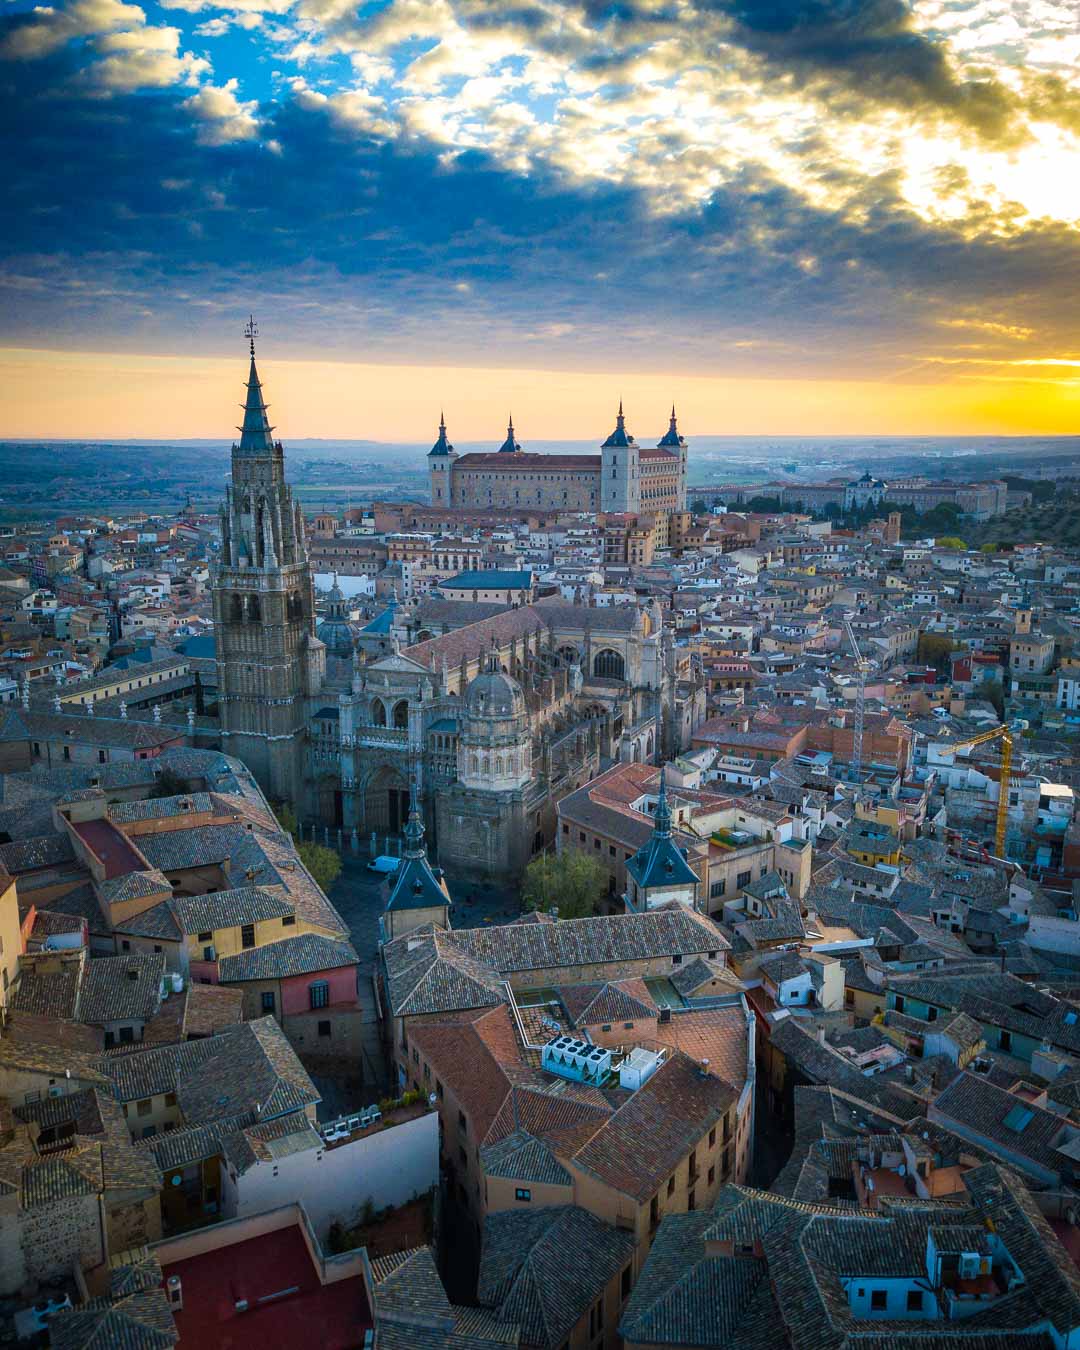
(401,715)
(566,656)
(498,766)
(236,609)
(609,665)
(254,608)
(378,713)
(474,764)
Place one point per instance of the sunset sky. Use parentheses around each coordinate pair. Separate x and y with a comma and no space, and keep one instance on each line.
(807,216)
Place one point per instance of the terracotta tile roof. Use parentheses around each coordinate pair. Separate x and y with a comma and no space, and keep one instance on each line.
(304,954)
(543,1269)
(650,1134)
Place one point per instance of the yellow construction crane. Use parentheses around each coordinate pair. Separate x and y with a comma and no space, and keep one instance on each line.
(982,738)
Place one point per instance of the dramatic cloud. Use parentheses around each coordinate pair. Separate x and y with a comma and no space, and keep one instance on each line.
(734,184)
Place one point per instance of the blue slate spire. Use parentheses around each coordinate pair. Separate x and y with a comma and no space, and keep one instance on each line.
(510,445)
(620,436)
(442,446)
(660,863)
(671,440)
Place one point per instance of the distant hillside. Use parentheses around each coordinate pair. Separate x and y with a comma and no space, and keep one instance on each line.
(1052,522)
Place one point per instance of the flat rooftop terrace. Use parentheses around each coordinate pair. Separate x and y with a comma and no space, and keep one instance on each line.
(287,1304)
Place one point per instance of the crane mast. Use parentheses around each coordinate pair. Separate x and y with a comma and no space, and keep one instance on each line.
(1002,816)
(862,666)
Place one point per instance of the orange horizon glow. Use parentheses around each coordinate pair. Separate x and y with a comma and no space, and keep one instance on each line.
(115,396)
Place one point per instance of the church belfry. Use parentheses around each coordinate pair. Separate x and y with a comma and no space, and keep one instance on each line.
(268,658)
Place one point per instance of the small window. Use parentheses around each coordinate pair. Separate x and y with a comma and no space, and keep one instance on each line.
(522,1193)
(268,1001)
(206,937)
(915,1300)
(671,1186)
(712,1137)
(144,1107)
(125,945)
(879,1300)
(170,1099)
(319,994)
(712,1175)
(324,1028)
(247,935)
(463,1124)
(288,920)
(127,1034)
(624,1284)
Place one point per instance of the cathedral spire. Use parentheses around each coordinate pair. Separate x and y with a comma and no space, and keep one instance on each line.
(256,434)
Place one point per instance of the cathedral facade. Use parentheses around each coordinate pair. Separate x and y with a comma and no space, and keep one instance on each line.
(489,722)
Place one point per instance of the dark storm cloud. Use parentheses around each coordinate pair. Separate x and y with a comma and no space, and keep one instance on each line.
(871,48)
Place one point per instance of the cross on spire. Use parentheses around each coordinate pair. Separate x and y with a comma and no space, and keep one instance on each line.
(251,332)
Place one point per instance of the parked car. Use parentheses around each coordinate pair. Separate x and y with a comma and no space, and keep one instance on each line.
(384,865)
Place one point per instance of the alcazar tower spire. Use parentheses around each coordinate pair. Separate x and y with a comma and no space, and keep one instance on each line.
(269,661)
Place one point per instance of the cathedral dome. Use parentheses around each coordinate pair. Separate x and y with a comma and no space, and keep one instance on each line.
(493,694)
(335,632)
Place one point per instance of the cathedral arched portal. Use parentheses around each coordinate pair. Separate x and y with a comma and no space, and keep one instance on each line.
(386,801)
(401,715)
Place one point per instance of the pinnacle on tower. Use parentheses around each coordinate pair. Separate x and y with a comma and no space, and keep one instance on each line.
(662,828)
(256,433)
(442,446)
(620,436)
(414,827)
(510,445)
(671,440)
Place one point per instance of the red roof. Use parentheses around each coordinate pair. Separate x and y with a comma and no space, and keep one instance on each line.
(287,1304)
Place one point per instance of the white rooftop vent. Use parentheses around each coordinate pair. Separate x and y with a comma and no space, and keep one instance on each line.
(638,1067)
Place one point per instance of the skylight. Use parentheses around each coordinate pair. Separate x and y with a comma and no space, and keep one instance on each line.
(1019,1118)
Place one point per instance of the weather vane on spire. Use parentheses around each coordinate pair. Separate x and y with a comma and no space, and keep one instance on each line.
(251,332)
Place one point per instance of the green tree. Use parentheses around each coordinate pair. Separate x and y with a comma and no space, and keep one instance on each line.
(936,650)
(769,505)
(988,548)
(950,541)
(323,863)
(169,784)
(698,507)
(571,881)
(286,818)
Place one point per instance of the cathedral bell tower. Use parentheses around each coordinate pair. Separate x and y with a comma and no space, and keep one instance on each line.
(268,658)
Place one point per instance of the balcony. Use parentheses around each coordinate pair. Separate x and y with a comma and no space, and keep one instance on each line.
(382,738)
